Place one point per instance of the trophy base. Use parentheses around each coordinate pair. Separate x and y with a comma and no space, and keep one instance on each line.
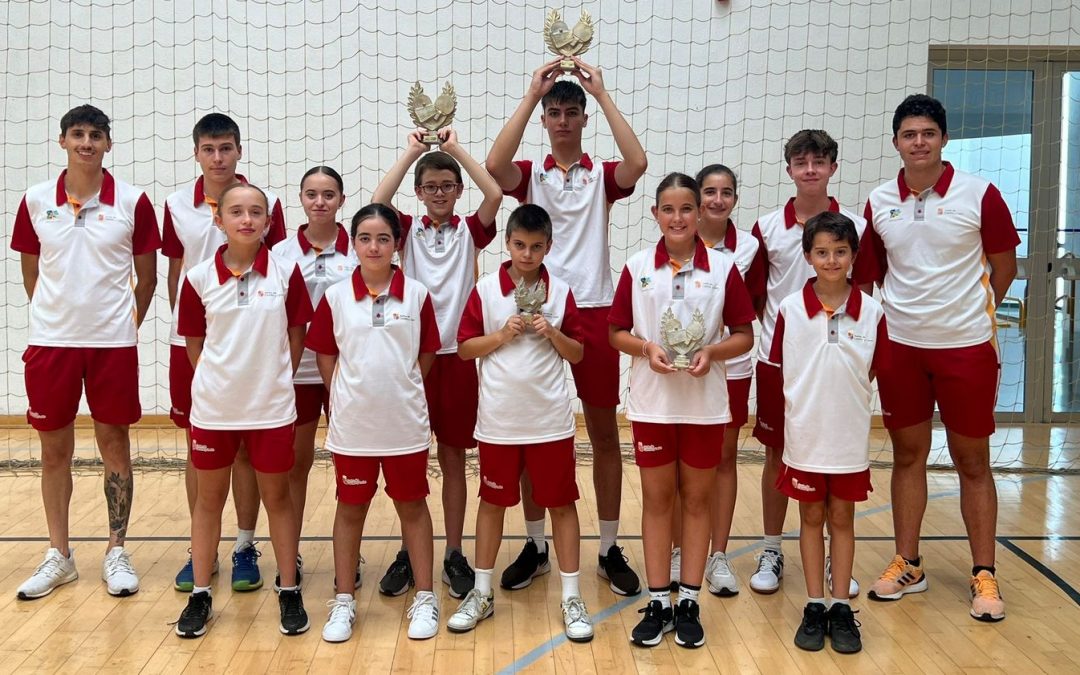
(567,65)
(430,138)
(681,362)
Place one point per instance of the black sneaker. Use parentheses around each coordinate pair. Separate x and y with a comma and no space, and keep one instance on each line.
(688,630)
(458,575)
(530,563)
(844,630)
(294,620)
(815,623)
(399,577)
(650,630)
(193,620)
(299,574)
(613,567)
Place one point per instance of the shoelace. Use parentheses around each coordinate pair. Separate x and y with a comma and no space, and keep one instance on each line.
(720,564)
(119,563)
(895,570)
(619,562)
(424,606)
(768,560)
(293,603)
(471,604)
(247,557)
(847,621)
(50,566)
(985,587)
(339,611)
(575,610)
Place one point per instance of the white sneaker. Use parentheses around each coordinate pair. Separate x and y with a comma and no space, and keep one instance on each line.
(55,570)
(118,574)
(576,619)
(722,581)
(853,588)
(423,616)
(770,571)
(473,609)
(676,566)
(339,624)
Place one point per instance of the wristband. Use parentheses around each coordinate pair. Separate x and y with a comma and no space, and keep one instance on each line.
(644,348)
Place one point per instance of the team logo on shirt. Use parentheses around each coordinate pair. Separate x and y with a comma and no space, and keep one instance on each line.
(894,213)
(852,335)
(52,214)
(646,282)
(802,487)
(491,484)
(263,293)
(345,480)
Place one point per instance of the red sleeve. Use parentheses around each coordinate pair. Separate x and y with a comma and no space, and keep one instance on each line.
(871,262)
(297,301)
(145,238)
(23,237)
(612,190)
(276,232)
(738,308)
(482,235)
(406,222)
(521,192)
(320,334)
(571,322)
(758,279)
(776,352)
(171,246)
(882,348)
(622,305)
(472,319)
(191,319)
(998,232)
(429,328)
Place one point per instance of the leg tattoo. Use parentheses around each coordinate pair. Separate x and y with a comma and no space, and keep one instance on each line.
(118,491)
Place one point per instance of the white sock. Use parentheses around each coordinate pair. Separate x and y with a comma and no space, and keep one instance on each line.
(569,584)
(688,593)
(663,595)
(290,588)
(201,589)
(535,529)
(609,532)
(244,538)
(811,601)
(343,597)
(772,541)
(841,601)
(483,581)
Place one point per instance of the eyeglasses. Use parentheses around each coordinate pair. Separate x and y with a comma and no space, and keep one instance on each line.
(445,188)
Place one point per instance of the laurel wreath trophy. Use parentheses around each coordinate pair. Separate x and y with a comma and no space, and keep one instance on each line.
(567,42)
(529,300)
(432,116)
(680,341)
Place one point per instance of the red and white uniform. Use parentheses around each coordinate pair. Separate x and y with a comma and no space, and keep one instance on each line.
(523,393)
(377,393)
(742,247)
(244,377)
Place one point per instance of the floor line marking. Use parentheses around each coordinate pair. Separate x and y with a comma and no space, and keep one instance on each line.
(1041,569)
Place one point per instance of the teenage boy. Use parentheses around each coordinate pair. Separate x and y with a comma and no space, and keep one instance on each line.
(441,254)
(942,245)
(811,161)
(577,192)
(190,236)
(79,238)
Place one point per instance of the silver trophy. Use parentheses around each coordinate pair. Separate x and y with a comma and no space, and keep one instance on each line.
(679,341)
(529,300)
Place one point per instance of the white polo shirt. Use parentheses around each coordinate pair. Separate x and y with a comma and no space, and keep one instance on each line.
(321,269)
(523,394)
(742,247)
(781,253)
(578,200)
(443,258)
(243,379)
(377,393)
(84,294)
(826,361)
(649,285)
(928,251)
(189,232)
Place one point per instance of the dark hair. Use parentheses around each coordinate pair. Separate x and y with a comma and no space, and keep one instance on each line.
(529,218)
(215,125)
(676,180)
(564,91)
(435,161)
(919,105)
(85,114)
(326,171)
(813,141)
(239,186)
(836,224)
(377,210)
(717,168)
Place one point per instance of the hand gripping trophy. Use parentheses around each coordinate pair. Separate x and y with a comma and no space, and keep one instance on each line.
(680,341)
(432,116)
(565,42)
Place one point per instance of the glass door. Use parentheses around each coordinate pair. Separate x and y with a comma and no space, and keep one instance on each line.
(1065,393)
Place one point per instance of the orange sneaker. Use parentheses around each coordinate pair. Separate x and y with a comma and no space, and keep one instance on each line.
(986,602)
(899,577)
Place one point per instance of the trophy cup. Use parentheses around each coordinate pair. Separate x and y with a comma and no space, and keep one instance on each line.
(529,300)
(682,342)
(432,116)
(565,42)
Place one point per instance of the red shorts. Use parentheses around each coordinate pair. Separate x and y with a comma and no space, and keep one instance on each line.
(596,376)
(738,393)
(311,401)
(769,424)
(810,486)
(697,445)
(181,373)
(452,391)
(358,477)
(551,467)
(270,450)
(962,380)
(54,384)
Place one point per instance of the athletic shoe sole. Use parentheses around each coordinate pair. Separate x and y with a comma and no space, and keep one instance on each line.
(28,596)
(723,591)
(602,573)
(652,642)
(689,645)
(123,592)
(765,591)
(298,631)
(196,633)
(466,629)
(580,639)
(917,587)
(540,571)
(987,617)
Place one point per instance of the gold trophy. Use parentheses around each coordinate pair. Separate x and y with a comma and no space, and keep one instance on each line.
(682,342)
(432,116)
(529,300)
(565,42)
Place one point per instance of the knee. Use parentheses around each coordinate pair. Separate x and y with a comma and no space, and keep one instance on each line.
(972,467)
(561,512)
(415,508)
(660,499)
(812,516)
(351,513)
(695,501)
(727,463)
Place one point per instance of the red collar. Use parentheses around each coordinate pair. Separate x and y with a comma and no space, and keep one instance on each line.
(428,222)
(585,162)
(200,193)
(852,306)
(262,262)
(506,283)
(940,187)
(107,194)
(341,244)
(731,237)
(396,289)
(701,254)
(789,211)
